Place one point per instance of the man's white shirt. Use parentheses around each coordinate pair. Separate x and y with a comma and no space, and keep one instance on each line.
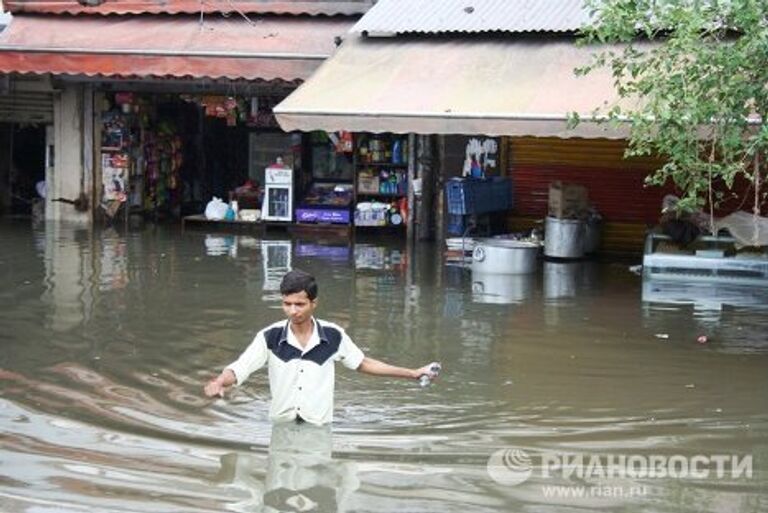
(301,380)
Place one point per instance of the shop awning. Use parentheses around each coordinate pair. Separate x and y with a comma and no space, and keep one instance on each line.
(489,85)
(309,7)
(215,47)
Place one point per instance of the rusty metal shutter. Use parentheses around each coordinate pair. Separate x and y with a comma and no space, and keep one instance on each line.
(26,107)
(616,185)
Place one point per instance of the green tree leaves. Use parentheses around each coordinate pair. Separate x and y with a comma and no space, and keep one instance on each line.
(695,75)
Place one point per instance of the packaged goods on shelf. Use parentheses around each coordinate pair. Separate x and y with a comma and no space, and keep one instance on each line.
(371,214)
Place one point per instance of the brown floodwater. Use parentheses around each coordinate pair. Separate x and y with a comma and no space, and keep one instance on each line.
(107,338)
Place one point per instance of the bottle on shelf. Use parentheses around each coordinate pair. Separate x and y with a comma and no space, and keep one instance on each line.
(376,148)
(394,216)
(382,180)
(397,152)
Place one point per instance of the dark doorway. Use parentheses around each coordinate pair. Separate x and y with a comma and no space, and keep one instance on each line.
(27,166)
(226,156)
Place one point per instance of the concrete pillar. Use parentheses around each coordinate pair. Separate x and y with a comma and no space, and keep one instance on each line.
(67,177)
(89,152)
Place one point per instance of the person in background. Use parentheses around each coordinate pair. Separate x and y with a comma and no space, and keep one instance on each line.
(300,354)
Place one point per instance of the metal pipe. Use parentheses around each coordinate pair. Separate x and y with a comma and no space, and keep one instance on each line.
(511,116)
(165,53)
(442,115)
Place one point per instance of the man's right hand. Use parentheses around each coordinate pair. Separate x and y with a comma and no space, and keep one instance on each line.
(214,388)
(219,385)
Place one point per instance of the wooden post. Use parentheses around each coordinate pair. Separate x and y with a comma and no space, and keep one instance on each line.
(439,174)
(425,213)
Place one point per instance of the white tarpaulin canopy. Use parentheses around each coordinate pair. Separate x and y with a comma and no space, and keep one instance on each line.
(488,85)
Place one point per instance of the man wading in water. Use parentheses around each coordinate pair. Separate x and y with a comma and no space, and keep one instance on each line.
(301,353)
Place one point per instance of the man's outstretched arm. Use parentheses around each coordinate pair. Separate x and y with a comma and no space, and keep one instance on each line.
(378,368)
(252,359)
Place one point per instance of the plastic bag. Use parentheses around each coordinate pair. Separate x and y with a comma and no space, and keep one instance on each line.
(745,228)
(216,210)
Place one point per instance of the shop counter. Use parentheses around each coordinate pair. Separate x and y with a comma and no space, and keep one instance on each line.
(200,222)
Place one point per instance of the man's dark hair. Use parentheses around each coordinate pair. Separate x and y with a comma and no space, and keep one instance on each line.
(298,281)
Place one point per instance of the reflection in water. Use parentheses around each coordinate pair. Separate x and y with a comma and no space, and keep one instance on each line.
(301,473)
(68,269)
(561,279)
(502,288)
(702,295)
(221,245)
(328,252)
(113,270)
(276,256)
(564,280)
(107,337)
(723,312)
(370,256)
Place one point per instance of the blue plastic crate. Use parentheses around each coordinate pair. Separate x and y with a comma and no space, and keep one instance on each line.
(457,197)
(478,196)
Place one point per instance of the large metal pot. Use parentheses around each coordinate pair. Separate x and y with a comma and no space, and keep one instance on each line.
(564,238)
(499,256)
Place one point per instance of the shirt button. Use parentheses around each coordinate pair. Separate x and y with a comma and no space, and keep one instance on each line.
(299,388)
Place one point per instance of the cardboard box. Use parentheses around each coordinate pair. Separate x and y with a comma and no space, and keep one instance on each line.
(567,201)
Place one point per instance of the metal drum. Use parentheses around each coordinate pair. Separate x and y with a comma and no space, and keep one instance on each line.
(500,256)
(564,238)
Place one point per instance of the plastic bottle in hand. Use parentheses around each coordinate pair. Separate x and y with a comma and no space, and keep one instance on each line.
(424,379)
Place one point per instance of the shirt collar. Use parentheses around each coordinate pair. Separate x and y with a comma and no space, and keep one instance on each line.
(320,331)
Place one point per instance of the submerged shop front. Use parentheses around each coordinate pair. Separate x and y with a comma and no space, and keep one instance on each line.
(157,126)
(512,95)
(331,183)
(165,154)
(168,154)
(361,182)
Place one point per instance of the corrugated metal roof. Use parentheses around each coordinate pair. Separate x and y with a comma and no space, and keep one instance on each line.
(284,48)
(390,17)
(311,7)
